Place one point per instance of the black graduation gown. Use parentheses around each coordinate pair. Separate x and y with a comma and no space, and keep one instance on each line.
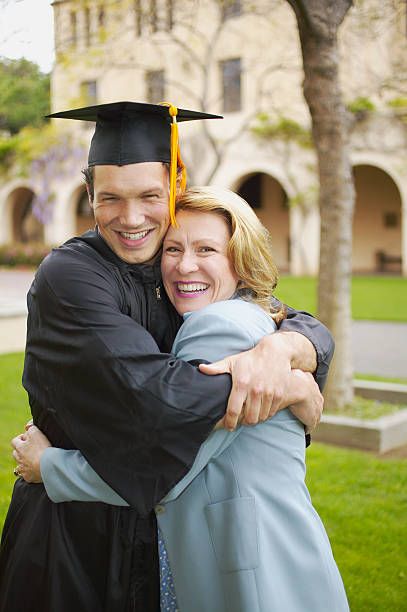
(100,378)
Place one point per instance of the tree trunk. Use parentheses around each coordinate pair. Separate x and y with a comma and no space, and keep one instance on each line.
(318,23)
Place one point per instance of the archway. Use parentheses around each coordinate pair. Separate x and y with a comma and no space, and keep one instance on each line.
(270,202)
(377,222)
(26,227)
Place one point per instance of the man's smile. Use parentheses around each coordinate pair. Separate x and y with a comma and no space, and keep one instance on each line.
(135,238)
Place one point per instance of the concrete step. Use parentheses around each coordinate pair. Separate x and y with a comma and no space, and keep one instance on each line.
(379,435)
(383,391)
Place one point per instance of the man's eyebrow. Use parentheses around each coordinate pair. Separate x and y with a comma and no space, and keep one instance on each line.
(149,190)
(107,193)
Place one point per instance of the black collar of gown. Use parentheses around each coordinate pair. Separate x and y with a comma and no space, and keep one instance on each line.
(148,272)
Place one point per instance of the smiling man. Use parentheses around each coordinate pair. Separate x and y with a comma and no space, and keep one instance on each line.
(127,198)
(101,379)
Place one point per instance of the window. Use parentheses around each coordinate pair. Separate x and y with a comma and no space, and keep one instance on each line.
(101,18)
(169,15)
(137,17)
(231,85)
(155,83)
(230,8)
(87,26)
(74,28)
(88,90)
(153,15)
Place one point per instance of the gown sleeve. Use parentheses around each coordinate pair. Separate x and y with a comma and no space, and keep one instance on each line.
(317,333)
(138,416)
(210,334)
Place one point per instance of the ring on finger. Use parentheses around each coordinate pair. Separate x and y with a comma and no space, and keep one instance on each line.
(16,470)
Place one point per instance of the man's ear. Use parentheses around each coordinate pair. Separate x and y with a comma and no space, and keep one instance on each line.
(90,200)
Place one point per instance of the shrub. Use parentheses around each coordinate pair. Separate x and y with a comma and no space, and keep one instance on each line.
(20,254)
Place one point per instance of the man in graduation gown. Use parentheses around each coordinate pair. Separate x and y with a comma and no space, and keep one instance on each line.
(100,378)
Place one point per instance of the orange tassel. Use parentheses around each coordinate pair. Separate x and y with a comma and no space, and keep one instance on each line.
(176,162)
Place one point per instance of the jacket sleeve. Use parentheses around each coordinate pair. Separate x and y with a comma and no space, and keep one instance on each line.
(138,416)
(319,335)
(67,476)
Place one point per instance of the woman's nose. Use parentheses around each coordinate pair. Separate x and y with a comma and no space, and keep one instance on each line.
(187,264)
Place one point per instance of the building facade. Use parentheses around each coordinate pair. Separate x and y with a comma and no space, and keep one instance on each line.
(242,60)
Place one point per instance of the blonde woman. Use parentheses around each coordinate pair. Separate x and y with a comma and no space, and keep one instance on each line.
(239,532)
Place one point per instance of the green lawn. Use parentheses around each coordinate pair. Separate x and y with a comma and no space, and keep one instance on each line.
(361,499)
(389,379)
(362,408)
(14,413)
(376,298)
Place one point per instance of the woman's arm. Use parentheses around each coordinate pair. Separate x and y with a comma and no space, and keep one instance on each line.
(66,474)
(208,334)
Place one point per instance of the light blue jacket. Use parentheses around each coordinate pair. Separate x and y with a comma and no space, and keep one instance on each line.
(240,529)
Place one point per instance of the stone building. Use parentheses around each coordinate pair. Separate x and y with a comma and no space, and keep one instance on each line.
(240,59)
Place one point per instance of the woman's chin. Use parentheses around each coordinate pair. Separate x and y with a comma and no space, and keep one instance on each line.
(190,305)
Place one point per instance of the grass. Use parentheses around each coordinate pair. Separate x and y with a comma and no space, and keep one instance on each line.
(362,408)
(374,298)
(14,413)
(391,379)
(361,499)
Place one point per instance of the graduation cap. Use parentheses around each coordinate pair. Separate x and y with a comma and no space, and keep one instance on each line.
(135,132)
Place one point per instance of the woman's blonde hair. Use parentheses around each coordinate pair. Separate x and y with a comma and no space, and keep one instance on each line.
(249,247)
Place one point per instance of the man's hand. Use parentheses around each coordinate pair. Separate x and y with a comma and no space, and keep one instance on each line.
(261,377)
(28,448)
(309,409)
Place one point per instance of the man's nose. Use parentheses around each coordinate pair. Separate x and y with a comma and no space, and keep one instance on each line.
(187,264)
(132,214)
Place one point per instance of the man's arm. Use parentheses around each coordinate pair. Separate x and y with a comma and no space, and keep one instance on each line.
(302,342)
(318,335)
(211,333)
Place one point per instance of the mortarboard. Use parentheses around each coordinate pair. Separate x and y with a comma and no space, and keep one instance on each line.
(135,132)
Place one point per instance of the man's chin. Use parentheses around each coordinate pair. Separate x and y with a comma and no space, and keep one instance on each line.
(142,256)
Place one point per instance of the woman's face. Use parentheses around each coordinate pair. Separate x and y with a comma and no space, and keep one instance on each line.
(195,265)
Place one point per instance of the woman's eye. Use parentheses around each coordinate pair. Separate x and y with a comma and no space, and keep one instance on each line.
(206,249)
(171,249)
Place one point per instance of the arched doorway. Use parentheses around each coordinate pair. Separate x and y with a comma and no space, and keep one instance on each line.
(377,222)
(26,227)
(84,214)
(270,202)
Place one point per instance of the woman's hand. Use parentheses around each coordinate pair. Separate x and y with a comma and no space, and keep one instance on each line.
(28,448)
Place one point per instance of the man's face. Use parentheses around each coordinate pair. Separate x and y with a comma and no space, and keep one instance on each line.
(131,208)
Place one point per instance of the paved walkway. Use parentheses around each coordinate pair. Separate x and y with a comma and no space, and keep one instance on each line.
(378,348)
